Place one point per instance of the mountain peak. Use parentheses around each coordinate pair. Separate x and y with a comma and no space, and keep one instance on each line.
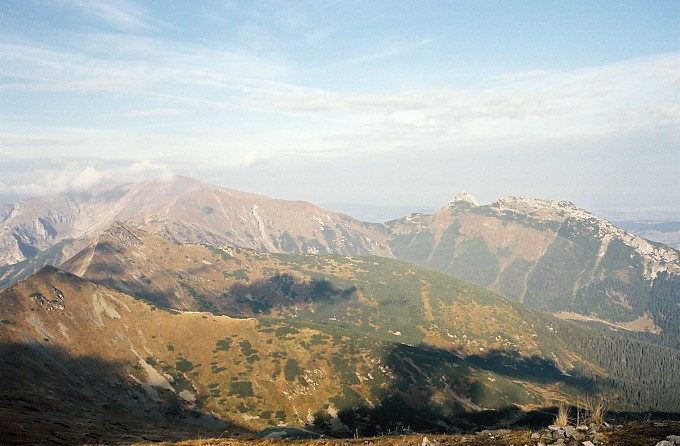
(463,198)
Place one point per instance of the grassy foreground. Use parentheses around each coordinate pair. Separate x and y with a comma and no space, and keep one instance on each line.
(629,434)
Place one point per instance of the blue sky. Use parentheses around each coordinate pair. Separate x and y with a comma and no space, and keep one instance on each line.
(383,102)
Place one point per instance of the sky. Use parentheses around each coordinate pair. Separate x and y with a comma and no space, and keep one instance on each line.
(365,102)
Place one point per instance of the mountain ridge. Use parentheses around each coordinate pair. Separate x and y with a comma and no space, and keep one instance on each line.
(185,210)
(549,254)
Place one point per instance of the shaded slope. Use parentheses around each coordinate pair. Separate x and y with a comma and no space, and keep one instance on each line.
(73,368)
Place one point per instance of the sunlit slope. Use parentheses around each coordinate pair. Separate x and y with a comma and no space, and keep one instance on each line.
(77,352)
(388,300)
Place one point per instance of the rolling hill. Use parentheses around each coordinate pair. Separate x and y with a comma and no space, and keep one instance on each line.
(391,300)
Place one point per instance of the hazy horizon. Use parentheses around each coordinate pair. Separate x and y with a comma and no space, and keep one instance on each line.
(366,103)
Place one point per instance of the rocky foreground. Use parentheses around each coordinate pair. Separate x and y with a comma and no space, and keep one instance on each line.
(653,433)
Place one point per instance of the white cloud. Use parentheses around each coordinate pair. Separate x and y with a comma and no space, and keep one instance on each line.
(144,169)
(87,179)
(666,113)
(68,178)
(147,64)
(527,106)
(75,175)
(254,158)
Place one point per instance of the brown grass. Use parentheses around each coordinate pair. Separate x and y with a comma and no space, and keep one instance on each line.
(595,411)
(562,417)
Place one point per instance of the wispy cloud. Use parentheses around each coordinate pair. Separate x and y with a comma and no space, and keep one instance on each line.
(154,112)
(523,105)
(256,100)
(384,50)
(156,64)
(121,14)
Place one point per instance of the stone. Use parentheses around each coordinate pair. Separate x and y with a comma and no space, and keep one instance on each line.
(588,443)
(674,438)
(665,443)
(578,436)
(425,442)
(569,431)
(535,436)
(558,434)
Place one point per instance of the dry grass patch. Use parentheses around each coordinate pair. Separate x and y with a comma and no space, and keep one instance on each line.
(562,417)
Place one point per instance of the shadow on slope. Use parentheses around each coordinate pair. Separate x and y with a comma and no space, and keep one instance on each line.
(436,390)
(54,255)
(48,396)
(511,364)
(279,292)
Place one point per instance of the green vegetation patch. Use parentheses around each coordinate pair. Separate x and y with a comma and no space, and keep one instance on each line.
(246,348)
(292,370)
(184,365)
(242,389)
(223,345)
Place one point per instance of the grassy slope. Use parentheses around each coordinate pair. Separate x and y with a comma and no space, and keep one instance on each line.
(393,302)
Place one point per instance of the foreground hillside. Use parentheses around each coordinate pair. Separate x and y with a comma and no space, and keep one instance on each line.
(74,350)
(660,433)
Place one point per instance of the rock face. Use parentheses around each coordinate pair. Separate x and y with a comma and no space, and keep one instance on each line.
(187,211)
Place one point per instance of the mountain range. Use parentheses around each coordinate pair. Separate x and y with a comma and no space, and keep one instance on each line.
(550,255)
(180,307)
